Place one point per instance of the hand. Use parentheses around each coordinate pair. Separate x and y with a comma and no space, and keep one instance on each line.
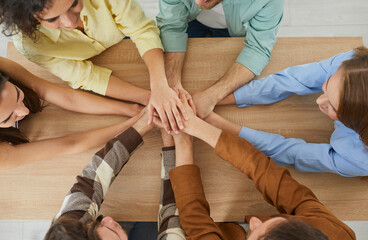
(197,127)
(179,88)
(204,103)
(141,124)
(166,103)
(189,124)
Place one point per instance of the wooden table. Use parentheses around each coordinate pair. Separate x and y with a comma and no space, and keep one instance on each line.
(36,191)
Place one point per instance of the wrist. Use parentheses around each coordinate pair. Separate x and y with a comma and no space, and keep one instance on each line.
(158,83)
(142,128)
(206,132)
(214,94)
(184,142)
(176,84)
(167,139)
(184,153)
(192,126)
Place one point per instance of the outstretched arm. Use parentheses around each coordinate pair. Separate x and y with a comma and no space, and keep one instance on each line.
(50,148)
(67,98)
(85,197)
(302,79)
(163,100)
(236,76)
(168,216)
(306,157)
(189,194)
(260,38)
(274,182)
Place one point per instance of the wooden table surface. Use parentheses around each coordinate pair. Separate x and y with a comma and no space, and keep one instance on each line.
(36,191)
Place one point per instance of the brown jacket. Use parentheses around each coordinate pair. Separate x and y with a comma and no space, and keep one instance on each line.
(274,182)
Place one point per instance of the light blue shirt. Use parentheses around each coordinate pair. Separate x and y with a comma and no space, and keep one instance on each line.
(256,20)
(346,154)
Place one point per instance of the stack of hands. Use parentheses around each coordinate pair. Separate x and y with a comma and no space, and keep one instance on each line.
(179,132)
(177,118)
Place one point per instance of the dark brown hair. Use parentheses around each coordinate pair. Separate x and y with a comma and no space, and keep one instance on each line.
(19,15)
(68,228)
(293,229)
(353,104)
(31,101)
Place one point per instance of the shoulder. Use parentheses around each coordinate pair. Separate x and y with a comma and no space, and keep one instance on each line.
(341,57)
(29,47)
(347,143)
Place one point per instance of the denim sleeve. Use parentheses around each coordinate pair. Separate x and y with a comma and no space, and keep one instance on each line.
(306,157)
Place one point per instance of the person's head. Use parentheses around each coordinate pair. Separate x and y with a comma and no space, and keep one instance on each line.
(27,15)
(103,228)
(207,4)
(16,101)
(279,228)
(345,96)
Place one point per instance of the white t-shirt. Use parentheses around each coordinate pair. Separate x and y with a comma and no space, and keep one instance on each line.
(213,18)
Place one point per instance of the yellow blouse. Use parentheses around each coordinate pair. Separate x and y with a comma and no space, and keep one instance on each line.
(64,52)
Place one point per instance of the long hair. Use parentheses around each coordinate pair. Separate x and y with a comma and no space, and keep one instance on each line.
(353,104)
(20,16)
(31,101)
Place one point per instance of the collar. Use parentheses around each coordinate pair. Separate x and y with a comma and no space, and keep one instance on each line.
(52,34)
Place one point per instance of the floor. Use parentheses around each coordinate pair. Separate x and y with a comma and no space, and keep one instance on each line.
(302,18)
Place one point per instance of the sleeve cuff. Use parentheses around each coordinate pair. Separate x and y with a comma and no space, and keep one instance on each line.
(149,42)
(97,82)
(168,158)
(242,98)
(168,148)
(186,180)
(252,59)
(130,138)
(175,42)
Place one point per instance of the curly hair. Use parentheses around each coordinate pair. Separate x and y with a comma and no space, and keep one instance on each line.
(21,16)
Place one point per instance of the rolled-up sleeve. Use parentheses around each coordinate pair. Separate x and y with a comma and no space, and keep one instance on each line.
(77,73)
(132,22)
(173,24)
(261,37)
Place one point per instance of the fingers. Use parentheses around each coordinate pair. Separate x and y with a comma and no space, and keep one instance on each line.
(172,121)
(192,105)
(176,90)
(182,97)
(178,118)
(164,120)
(157,122)
(150,114)
(180,105)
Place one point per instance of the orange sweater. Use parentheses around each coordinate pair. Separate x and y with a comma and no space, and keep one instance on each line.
(274,182)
